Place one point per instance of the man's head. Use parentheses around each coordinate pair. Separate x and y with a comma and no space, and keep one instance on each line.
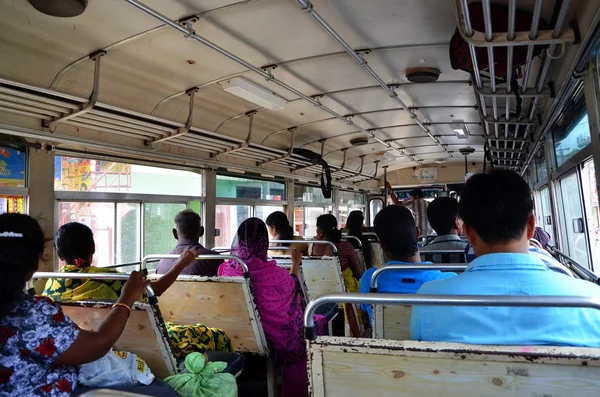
(397,232)
(442,215)
(416,194)
(188,225)
(497,211)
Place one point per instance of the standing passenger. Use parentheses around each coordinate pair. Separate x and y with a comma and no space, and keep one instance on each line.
(188,230)
(497,209)
(418,205)
(443,217)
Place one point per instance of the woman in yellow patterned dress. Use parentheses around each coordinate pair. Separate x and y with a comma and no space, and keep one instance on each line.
(75,246)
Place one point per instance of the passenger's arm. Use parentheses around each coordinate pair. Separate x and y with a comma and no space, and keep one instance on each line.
(296,261)
(392,194)
(162,284)
(93,345)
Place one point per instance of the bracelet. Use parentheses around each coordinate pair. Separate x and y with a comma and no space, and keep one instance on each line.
(124,306)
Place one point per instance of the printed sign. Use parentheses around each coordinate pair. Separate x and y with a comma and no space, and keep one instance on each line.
(12,167)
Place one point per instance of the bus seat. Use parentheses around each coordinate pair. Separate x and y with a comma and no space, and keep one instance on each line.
(391,322)
(345,366)
(145,333)
(322,274)
(450,256)
(361,260)
(221,302)
(285,262)
(377,256)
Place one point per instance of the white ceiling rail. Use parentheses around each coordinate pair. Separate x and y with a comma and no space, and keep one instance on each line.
(359,172)
(287,155)
(96,56)
(189,33)
(307,6)
(244,144)
(188,123)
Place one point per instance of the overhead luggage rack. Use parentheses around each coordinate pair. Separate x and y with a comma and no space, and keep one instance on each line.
(508,136)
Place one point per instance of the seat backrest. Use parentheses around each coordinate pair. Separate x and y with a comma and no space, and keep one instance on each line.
(450,256)
(391,322)
(220,302)
(361,260)
(377,256)
(341,367)
(288,266)
(145,333)
(321,274)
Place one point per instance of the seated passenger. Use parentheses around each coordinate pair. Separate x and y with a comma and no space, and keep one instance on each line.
(40,346)
(279,300)
(443,217)
(397,232)
(497,209)
(75,246)
(188,230)
(354,227)
(280,229)
(351,273)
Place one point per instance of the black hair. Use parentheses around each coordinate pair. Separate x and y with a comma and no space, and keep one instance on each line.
(354,223)
(328,224)
(418,193)
(442,213)
(21,246)
(395,226)
(280,222)
(496,205)
(73,241)
(188,224)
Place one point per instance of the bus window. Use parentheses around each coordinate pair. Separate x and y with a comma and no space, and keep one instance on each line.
(375,206)
(573,229)
(228,218)
(590,199)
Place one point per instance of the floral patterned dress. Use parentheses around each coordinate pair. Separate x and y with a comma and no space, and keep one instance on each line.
(32,336)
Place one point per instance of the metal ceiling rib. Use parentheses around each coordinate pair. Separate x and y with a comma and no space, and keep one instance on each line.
(524,124)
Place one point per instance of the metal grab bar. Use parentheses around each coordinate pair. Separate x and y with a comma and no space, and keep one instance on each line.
(347,236)
(447,268)
(445,300)
(335,250)
(224,258)
(576,267)
(125,264)
(91,276)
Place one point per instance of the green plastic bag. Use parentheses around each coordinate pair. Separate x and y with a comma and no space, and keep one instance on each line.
(203,379)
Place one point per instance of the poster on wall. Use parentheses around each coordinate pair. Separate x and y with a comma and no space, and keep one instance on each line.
(427,175)
(12,167)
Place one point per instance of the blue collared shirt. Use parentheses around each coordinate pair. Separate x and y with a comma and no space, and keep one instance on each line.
(508,274)
(399,282)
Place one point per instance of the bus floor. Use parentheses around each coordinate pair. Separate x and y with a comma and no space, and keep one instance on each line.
(253,380)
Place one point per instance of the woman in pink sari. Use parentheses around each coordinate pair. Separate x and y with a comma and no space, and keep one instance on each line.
(279,301)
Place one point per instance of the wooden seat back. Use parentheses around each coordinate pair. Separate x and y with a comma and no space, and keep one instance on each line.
(219,302)
(341,367)
(322,274)
(391,322)
(145,333)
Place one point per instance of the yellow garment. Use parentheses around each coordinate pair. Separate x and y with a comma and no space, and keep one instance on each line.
(352,313)
(70,290)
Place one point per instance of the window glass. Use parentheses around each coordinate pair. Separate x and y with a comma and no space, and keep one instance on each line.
(158,227)
(572,219)
(256,189)
(540,166)
(75,174)
(263,211)
(546,221)
(12,204)
(299,221)
(429,194)
(351,198)
(592,212)
(311,214)
(310,194)
(375,206)
(100,217)
(569,141)
(127,233)
(227,220)
(12,166)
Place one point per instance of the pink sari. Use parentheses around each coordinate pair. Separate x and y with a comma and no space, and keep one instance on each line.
(280,304)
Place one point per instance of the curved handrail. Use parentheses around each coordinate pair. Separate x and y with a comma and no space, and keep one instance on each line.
(335,250)
(576,267)
(434,251)
(448,268)
(347,236)
(444,300)
(372,234)
(200,257)
(136,263)
(93,276)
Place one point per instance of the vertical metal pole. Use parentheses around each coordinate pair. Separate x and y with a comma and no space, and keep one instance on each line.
(210,207)
(385,189)
(466,166)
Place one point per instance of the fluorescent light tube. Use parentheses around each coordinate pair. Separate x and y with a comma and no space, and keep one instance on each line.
(253,93)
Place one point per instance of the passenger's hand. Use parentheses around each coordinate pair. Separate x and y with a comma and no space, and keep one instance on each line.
(388,187)
(186,259)
(296,256)
(134,288)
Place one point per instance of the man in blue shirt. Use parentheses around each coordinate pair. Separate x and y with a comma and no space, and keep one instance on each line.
(497,210)
(397,232)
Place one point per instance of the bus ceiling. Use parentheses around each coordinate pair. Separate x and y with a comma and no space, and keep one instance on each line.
(223,83)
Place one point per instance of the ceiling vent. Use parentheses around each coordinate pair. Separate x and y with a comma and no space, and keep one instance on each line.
(359,141)
(422,75)
(60,8)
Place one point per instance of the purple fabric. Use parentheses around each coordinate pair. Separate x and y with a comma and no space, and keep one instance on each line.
(279,301)
(542,236)
(197,268)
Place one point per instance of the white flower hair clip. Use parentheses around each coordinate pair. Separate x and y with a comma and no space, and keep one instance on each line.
(11,234)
